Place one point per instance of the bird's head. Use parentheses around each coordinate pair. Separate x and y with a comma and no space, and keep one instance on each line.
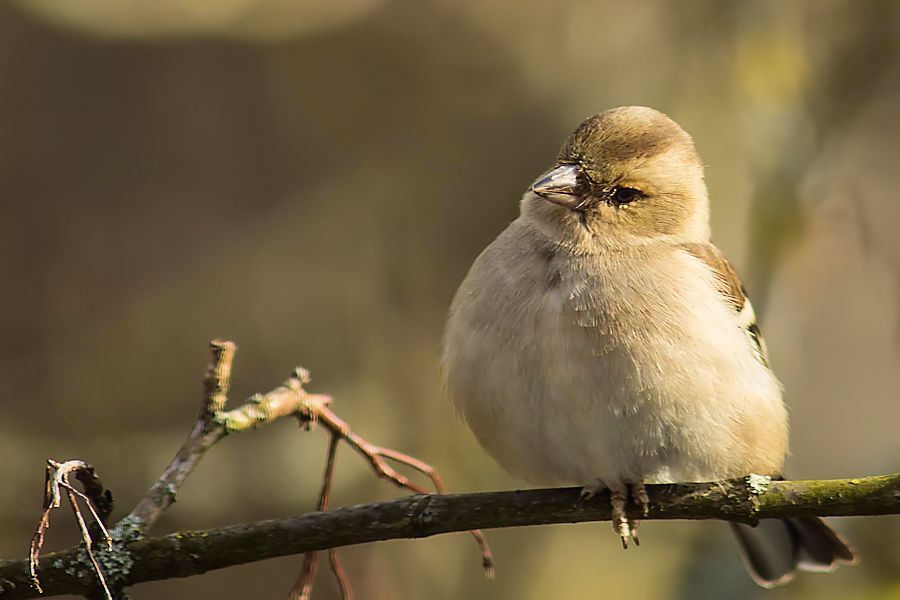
(627,175)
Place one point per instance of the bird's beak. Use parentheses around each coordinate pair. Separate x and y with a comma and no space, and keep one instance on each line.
(560,185)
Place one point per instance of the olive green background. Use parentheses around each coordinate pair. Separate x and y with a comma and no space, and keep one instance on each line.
(312,180)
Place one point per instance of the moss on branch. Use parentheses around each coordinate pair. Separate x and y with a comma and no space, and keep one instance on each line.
(193,552)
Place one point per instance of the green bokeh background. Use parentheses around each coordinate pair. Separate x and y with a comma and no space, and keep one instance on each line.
(312,180)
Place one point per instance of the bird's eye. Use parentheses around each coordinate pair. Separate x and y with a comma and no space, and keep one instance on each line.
(624,195)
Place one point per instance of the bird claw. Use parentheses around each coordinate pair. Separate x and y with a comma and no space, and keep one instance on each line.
(640,498)
(589,491)
(624,527)
(627,528)
(618,498)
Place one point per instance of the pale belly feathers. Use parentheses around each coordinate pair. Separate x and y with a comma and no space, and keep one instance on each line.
(571,373)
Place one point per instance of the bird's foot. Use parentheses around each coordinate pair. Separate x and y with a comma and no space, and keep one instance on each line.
(640,498)
(618,499)
(622,525)
(589,491)
(625,527)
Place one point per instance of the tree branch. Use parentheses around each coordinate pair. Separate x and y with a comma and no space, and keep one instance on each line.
(213,424)
(190,553)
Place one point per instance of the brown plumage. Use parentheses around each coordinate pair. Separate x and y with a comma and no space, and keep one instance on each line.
(602,340)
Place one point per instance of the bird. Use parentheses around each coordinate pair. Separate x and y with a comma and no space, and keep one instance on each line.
(602,340)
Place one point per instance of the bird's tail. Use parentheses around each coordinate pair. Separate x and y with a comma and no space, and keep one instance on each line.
(776,548)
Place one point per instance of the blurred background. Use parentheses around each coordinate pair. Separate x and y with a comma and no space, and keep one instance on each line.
(312,180)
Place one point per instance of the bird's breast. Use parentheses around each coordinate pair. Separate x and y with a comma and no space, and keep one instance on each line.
(571,369)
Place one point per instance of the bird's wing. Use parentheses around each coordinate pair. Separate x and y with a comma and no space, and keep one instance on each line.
(732,291)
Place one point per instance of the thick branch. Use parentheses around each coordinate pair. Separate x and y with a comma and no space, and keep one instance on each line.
(191,553)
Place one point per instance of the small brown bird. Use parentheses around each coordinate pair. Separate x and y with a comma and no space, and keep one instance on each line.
(602,340)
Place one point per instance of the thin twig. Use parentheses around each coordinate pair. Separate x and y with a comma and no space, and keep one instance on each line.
(487,558)
(97,494)
(376,456)
(340,575)
(72,492)
(204,435)
(218,378)
(288,399)
(37,540)
(302,589)
(57,476)
(87,543)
